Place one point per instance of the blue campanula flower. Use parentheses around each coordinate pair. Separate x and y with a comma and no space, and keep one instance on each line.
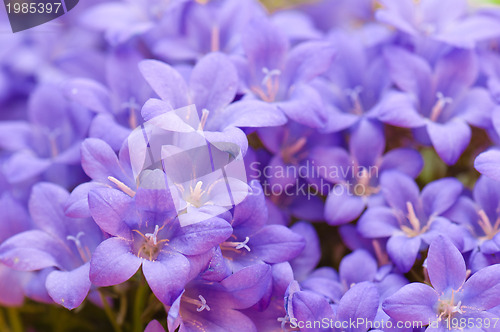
(480,215)
(218,306)
(56,241)
(356,175)
(412,219)
(438,101)
(146,231)
(272,73)
(451,298)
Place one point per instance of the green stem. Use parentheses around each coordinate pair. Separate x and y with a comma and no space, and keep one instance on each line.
(110,313)
(15,320)
(3,322)
(139,303)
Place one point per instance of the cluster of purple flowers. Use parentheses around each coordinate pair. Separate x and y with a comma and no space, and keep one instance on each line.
(369,132)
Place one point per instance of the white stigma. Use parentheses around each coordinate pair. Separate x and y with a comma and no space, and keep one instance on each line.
(153,235)
(269,74)
(203,304)
(240,245)
(76,239)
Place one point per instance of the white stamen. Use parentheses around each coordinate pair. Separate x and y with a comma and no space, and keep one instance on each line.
(243,244)
(458,308)
(283,321)
(153,235)
(269,74)
(122,186)
(76,239)
(439,106)
(353,94)
(203,304)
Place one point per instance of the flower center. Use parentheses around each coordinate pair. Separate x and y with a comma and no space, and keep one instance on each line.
(289,153)
(196,195)
(363,187)
(236,246)
(415,228)
(439,106)
(82,250)
(269,85)
(489,230)
(132,106)
(151,246)
(353,94)
(449,306)
(201,303)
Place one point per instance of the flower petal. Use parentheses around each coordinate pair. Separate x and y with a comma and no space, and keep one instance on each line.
(113,263)
(110,208)
(449,139)
(69,288)
(445,265)
(167,275)
(413,302)
(343,207)
(482,290)
(488,163)
(213,82)
(403,251)
(166,82)
(438,196)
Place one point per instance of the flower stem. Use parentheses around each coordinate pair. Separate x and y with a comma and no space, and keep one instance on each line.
(15,320)
(110,313)
(3,322)
(139,303)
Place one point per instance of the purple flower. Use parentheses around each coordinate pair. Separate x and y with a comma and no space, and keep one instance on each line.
(118,103)
(272,73)
(355,175)
(354,85)
(253,241)
(488,164)
(123,20)
(308,310)
(47,147)
(216,306)
(13,220)
(451,297)
(289,168)
(57,241)
(481,217)
(147,232)
(443,21)
(440,100)
(411,220)
(330,14)
(154,326)
(211,98)
(101,164)
(203,27)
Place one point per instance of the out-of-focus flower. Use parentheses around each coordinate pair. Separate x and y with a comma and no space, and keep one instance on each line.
(439,102)
(481,217)
(356,175)
(47,147)
(118,102)
(272,73)
(446,21)
(56,241)
(13,220)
